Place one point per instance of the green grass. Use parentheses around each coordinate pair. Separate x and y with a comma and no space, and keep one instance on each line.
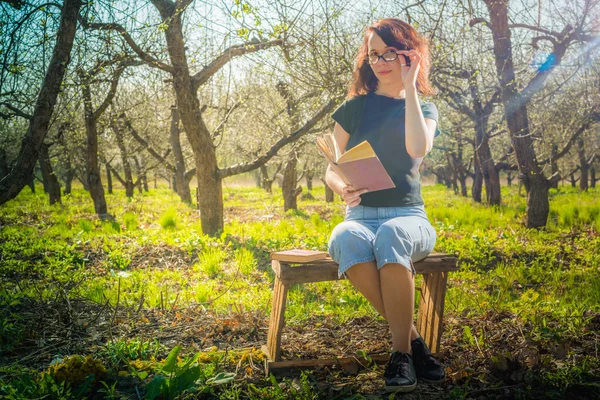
(154,253)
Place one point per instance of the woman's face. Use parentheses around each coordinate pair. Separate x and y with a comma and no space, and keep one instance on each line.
(385,71)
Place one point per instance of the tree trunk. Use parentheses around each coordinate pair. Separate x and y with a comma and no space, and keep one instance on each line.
(22,171)
(69,175)
(82,178)
(592,177)
(554,165)
(181,185)
(143,173)
(124,157)
(139,172)
(31,184)
(491,176)
(257,178)
(267,184)
(144,176)
(583,165)
(50,180)
(288,187)
(210,202)
(573,180)
(93,171)
(477,180)
(329,194)
(4,168)
(109,185)
(462,180)
(517,119)
(309,179)
(44,182)
(459,168)
(509,178)
(451,173)
(489,170)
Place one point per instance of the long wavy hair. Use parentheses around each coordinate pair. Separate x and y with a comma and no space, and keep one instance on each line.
(395,33)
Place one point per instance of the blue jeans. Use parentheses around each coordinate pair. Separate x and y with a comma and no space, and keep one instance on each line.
(399,235)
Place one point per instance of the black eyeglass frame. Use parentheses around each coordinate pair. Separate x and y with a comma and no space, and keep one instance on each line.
(407,60)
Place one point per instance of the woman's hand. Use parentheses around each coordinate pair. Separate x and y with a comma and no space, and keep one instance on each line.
(409,73)
(352,196)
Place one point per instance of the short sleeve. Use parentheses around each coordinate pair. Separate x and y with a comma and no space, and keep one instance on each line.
(430,111)
(348,114)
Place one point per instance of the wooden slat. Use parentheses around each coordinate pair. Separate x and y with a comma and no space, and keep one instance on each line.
(349,364)
(438,311)
(277,320)
(327,270)
(431,283)
(431,309)
(422,312)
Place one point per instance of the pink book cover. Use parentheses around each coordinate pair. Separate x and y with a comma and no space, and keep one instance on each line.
(367,173)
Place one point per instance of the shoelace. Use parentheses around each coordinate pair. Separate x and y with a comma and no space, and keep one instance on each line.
(401,364)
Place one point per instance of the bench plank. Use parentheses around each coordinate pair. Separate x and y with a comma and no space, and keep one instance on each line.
(327,270)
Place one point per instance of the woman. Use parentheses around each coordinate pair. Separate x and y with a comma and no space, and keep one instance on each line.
(384,232)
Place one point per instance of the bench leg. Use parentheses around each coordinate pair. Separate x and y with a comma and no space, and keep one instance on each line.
(431,309)
(277,320)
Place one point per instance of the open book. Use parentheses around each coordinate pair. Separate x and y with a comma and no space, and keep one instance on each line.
(358,167)
(299,255)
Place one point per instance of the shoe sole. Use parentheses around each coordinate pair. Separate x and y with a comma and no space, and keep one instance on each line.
(403,389)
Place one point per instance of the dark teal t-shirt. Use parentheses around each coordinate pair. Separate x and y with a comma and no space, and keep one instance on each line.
(380,121)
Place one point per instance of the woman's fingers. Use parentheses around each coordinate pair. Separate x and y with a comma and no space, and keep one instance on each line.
(352,196)
(413,55)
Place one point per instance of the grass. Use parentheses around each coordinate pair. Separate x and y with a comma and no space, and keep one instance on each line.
(154,256)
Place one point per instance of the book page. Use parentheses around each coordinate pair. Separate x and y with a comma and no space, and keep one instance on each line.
(358,152)
(325,146)
(325,149)
(338,151)
(335,149)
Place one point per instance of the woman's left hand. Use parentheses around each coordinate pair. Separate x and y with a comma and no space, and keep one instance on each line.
(409,73)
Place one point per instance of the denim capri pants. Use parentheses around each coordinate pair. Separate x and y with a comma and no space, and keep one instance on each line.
(400,235)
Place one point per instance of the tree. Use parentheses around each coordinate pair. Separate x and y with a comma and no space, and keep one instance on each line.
(22,170)
(515,101)
(91,119)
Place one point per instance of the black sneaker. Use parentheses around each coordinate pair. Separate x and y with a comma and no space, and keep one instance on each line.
(400,375)
(429,368)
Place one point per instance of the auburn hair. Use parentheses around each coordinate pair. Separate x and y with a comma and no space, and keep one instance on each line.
(395,33)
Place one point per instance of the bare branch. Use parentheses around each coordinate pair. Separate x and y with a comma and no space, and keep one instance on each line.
(16,111)
(119,28)
(237,50)
(145,144)
(537,29)
(246,167)
(111,93)
(114,172)
(566,37)
(535,40)
(476,21)
(219,129)
(592,117)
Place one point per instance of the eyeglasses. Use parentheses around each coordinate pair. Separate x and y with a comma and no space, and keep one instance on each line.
(388,56)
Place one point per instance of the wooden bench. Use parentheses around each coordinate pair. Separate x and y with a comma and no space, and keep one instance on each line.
(434,269)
